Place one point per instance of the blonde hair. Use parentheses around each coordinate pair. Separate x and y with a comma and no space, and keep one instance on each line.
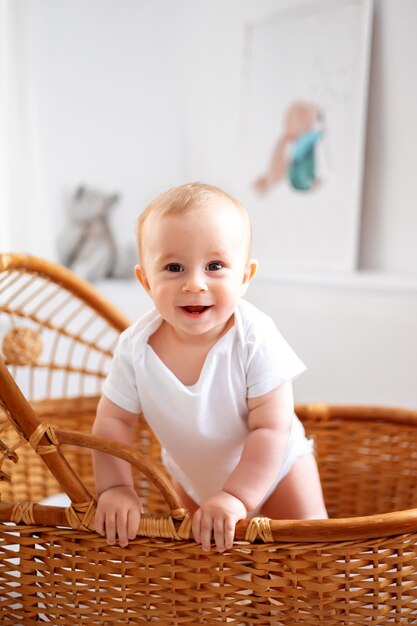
(183,199)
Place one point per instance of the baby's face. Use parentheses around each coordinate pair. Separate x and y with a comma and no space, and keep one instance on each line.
(195,267)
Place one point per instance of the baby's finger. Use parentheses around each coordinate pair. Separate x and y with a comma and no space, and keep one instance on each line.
(206,528)
(196,525)
(133,519)
(110,525)
(219,535)
(122,530)
(229,534)
(99,523)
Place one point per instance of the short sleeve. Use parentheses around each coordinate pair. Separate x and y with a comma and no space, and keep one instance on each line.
(270,360)
(120,384)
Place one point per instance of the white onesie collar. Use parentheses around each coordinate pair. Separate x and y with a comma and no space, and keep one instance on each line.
(151,321)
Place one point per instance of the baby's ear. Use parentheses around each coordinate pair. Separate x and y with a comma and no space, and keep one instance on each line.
(249,273)
(141,276)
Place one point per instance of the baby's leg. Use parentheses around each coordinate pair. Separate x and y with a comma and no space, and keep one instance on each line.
(299,494)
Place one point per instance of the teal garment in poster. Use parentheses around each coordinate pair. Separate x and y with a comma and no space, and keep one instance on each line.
(302,169)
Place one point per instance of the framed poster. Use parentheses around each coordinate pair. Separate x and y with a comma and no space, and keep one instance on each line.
(302,133)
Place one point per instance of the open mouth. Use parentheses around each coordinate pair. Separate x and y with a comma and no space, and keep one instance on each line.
(195,309)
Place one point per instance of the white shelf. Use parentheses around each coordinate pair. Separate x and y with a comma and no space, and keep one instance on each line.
(361,279)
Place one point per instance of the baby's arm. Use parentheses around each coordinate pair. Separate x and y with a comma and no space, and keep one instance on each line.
(270,419)
(118,507)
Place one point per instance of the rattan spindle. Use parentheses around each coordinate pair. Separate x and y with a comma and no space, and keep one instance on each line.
(28,425)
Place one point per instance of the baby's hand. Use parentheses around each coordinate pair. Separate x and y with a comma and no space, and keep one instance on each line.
(118,514)
(219,514)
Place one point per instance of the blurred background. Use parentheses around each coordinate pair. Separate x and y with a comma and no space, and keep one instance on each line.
(106,103)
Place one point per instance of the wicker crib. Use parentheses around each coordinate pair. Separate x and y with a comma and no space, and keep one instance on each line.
(359,567)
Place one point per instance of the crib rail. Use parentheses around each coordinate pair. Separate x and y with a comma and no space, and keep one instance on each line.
(47,441)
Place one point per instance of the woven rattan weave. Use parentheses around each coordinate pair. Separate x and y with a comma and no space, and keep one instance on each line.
(359,567)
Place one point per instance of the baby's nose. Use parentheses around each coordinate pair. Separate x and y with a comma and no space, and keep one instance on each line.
(195,283)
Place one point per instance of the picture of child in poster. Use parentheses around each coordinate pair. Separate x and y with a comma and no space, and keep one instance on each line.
(294,155)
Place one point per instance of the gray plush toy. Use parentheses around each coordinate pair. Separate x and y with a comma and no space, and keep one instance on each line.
(88,245)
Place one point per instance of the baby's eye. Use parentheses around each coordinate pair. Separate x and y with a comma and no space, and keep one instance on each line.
(214,266)
(174,267)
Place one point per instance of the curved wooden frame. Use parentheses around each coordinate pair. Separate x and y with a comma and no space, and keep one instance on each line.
(70,281)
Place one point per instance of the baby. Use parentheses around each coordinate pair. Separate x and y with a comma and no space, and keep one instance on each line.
(211,374)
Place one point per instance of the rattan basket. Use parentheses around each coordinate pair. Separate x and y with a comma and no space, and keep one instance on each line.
(359,567)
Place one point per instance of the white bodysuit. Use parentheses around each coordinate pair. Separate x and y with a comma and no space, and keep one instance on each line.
(202,428)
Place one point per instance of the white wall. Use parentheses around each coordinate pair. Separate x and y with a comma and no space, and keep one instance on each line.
(389,226)
(108,86)
(135,96)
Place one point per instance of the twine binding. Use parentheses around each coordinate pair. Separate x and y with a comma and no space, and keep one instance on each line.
(80,516)
(259,528)
(22,512)
(36,437)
